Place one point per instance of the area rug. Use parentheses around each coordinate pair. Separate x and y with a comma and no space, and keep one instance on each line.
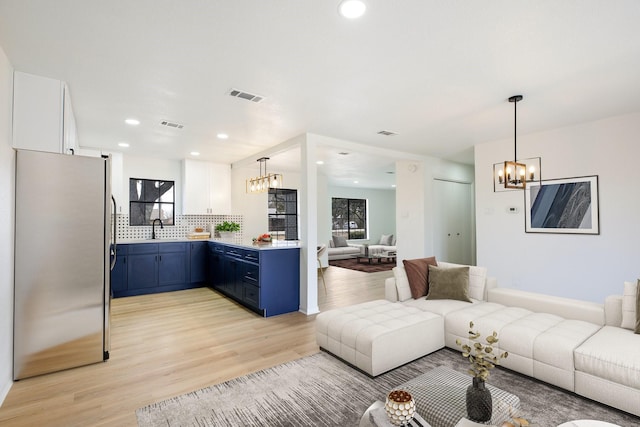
(320,390)
(353,264)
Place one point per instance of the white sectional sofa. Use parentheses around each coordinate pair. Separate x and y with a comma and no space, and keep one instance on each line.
(343,252)
(576,345)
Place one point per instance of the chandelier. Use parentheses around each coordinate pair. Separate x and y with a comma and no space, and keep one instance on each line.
(264,181)
(514,174)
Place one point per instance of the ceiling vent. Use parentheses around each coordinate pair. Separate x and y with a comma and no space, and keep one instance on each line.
(387,133)
(245,95)
(171,124)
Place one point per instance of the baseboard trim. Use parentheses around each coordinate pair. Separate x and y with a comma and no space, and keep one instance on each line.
(4,391)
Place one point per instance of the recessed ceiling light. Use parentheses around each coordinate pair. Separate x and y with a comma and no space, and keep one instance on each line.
(319,162)
(355,182)
(194,153)
(352,9)
(123,144)
(132,122)
(393,185)
(222,136)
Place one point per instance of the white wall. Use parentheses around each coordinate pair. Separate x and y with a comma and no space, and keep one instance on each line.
(7,202)
(381,209)
(415,202)
(151,168)
(580,266)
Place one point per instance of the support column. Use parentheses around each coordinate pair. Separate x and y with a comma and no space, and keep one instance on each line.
(309,227)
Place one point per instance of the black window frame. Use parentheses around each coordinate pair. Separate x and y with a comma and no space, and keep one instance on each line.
(342,226)
(283,222)
(145,202)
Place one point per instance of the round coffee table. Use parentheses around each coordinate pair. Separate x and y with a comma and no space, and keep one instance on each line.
(587,423)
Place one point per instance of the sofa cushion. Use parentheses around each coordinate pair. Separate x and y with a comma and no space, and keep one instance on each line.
(477,279)
(339,242)
(386,239)
(629,301)
(402,283)
(438,306)
(487,317)
(629,296)
(637,328)
(553,351)
(418,274)
(448,283)
(612,354)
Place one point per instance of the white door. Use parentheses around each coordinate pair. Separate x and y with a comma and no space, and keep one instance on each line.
(453,215)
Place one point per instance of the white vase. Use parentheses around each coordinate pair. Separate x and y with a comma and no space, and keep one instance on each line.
(227,235)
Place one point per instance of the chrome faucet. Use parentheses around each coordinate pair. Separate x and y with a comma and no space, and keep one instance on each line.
(153,227)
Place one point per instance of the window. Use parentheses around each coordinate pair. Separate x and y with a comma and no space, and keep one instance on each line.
(349,218)
(283,214)
(150,199)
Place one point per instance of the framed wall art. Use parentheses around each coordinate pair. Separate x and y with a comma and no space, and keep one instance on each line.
(565,206)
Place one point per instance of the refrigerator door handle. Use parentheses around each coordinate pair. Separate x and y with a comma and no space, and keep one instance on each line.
(114,251)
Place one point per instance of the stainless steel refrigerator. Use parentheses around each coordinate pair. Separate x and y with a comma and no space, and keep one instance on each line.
(62,262)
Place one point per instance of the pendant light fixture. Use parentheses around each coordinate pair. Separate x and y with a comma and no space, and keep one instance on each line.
(264,181)
(514,174)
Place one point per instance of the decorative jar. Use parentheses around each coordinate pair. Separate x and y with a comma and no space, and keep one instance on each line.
(400,407)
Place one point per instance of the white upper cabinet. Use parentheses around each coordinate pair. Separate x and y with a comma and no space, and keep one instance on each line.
(42,115)
(206,188)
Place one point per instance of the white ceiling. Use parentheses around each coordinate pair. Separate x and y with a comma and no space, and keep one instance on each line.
(436,72)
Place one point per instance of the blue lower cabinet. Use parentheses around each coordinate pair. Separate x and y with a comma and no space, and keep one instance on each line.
(266,281)
(150,268)
(142,271)
(119,275)
(198,262)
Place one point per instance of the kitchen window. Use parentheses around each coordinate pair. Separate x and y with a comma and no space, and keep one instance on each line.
(349,218)
(151,199)
(283,214)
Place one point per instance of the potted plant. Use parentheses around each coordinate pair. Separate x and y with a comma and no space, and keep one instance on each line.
(482,360)
(227,229)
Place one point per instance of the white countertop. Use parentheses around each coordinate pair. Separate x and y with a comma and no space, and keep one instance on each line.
(276,244)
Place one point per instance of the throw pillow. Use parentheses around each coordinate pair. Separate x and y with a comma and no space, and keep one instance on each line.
(629,297)
(477,279)
(449,283)
(339,242)
(386,239)
(402,283)
(637,329)
(418,275)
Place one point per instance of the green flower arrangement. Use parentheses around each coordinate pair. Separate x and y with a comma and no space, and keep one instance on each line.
(481,356)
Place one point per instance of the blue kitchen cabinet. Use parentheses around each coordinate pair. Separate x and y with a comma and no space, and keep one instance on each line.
(148,268)
(232,270)
(142,266)
(266,281)
(172,264)
(119,272)
(215,265)
(198,262)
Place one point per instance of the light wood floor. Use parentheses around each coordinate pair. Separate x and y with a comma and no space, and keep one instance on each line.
(168,344)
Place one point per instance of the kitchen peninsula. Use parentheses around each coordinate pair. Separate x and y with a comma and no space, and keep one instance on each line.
(264,278)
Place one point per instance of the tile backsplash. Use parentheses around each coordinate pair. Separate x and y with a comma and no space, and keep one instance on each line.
(184,224)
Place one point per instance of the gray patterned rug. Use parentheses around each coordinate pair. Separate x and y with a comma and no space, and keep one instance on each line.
(320,390)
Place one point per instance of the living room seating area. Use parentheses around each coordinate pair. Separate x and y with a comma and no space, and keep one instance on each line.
(340,248)
(587,348)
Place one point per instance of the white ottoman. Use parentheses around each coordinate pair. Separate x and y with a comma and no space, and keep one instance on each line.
(378,336)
